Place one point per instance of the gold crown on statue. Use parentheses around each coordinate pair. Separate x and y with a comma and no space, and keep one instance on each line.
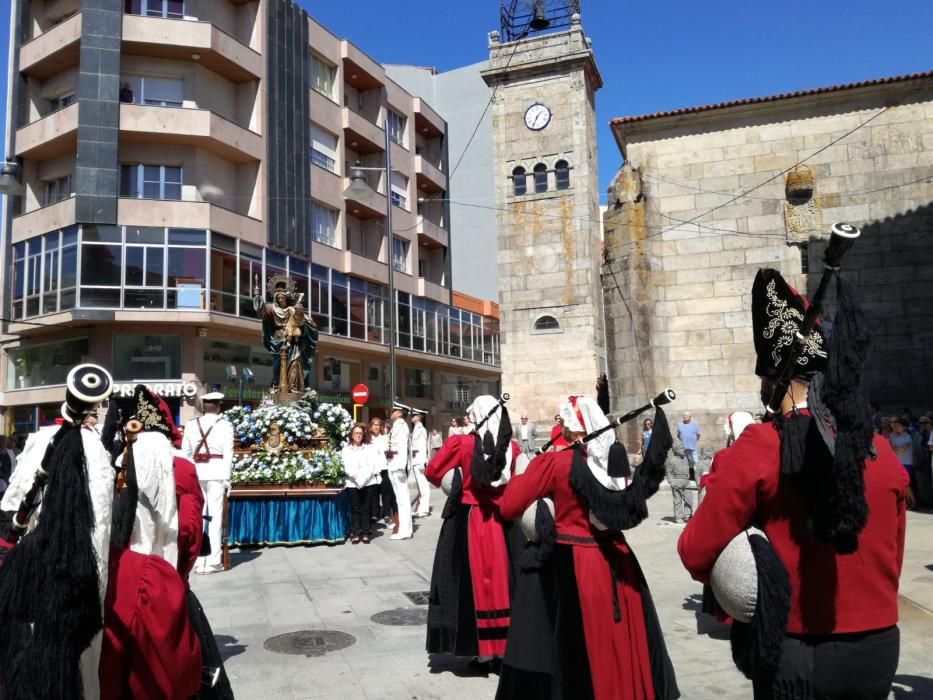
(282,284)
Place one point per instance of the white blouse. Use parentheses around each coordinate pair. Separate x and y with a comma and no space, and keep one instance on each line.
(360,465)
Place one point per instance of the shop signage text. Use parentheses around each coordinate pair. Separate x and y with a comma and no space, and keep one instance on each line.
(187,390)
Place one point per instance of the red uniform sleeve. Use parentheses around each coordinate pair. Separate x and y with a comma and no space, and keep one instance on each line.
(727,510)
(190,532)
(150,650)
(447,458)
(526,488)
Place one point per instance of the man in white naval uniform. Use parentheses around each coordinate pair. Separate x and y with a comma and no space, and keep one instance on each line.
(419,458)
(397,455)
(209,444)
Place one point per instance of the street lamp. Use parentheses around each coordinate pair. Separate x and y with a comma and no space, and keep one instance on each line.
(10,182)
(359,190)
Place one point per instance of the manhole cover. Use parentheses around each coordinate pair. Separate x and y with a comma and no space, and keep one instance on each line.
(401,617)
(418,597)
(309,642)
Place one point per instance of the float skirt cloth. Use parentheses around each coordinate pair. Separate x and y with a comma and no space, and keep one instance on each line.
(296,520)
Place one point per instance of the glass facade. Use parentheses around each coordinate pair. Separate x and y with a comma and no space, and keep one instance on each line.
(155,268)
(43,365)
(146,357)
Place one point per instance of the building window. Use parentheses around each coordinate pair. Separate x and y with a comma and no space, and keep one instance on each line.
(400,254)
(61,102)
(323,149)
(519,182)
(43,365)
(144,268)
(540,177)
(324,225)
(146,357)
(223,274)
(150,181)
(562,174)
(547,324)
(155,8)
(396,123)
(323,77)
(57,190)
(399,190)
(156,92)
(418,384)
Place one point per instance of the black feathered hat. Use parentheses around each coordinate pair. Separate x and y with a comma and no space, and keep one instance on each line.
(777,314)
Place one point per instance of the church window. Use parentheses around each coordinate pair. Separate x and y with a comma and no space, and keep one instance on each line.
(562,174)
(547,324)
(519,182)
(540,177)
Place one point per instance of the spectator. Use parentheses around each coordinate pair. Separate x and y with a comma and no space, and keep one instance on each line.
(922,461)
(689,434)
(527,435)
(455,428)
(875,416)
(360,462)
(602,393)
(467,426)
(435,441)
(126,93)
(903,445)
(646,428)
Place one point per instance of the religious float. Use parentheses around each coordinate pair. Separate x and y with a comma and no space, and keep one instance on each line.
(287,481)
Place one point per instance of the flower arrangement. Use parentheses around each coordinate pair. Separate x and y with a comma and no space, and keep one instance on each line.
(298,424)
(317,467)
(335,421)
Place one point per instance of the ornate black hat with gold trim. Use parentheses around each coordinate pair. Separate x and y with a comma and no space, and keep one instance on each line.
(777,313)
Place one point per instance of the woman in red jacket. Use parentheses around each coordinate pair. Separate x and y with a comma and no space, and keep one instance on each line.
(469,607)
(835,519)
(602,639)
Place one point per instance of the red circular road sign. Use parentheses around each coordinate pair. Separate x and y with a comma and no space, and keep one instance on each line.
(360,394)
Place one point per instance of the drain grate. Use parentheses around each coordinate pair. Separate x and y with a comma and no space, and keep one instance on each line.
(418,597)
(309,642)
(401,617)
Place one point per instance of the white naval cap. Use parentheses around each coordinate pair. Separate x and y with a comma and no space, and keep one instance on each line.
(213,396)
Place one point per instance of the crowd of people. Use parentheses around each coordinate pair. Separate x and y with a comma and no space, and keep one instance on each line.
(533,575)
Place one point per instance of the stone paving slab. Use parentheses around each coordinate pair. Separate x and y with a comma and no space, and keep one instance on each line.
(285,589)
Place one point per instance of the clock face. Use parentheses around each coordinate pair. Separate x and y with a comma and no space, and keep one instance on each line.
(537,116)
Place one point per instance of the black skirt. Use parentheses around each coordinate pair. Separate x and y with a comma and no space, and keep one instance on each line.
(545,658)
(451,608)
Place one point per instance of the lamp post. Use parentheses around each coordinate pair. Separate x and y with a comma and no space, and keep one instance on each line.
(359,188)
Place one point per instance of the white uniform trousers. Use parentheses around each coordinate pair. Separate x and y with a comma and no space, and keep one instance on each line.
(424,490)
(399,481)
(213,490)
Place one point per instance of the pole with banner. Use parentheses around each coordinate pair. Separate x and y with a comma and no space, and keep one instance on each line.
(360,396)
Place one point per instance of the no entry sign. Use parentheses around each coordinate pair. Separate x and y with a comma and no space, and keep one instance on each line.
(360,394)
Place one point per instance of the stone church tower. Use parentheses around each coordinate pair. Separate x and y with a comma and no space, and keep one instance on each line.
(544,76)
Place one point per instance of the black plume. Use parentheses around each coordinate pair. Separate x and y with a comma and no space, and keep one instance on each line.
(125,501)
(49,585)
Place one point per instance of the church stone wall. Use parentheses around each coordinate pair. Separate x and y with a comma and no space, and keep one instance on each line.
(687,287)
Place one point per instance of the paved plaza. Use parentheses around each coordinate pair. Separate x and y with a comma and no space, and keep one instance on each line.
(275,591)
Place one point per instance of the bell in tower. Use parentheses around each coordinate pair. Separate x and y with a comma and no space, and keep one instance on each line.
(519,18)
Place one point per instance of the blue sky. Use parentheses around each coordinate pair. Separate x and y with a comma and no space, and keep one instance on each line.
(662,54)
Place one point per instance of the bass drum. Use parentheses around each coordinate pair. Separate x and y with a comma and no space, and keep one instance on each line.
(527,521)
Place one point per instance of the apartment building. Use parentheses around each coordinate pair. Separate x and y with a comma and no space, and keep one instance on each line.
(174,155)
